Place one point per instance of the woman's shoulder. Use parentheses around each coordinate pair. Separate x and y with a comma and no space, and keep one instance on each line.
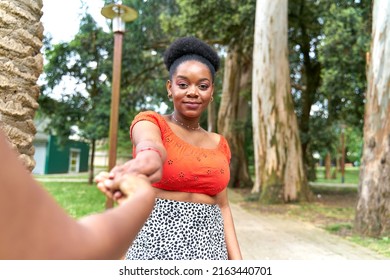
(149,113)
(222,143)
(216,138)
(150,116)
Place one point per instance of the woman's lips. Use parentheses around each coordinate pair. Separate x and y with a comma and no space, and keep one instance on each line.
(192,105)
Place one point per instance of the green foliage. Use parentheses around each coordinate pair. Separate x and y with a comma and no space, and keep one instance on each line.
(87,59)
(304,37)
(340,99)
(325,137)
(354,144)
(342,54)
(328,41)
(304,33)
(143,72)
(84,59)
(227,23)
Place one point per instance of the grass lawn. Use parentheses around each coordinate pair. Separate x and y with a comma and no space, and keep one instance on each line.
(351,176)
(62,176)
(78,199)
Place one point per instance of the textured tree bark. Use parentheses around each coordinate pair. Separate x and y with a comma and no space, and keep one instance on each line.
(280,176)
(232,115)
(21,63)
(212,117)
(373,207)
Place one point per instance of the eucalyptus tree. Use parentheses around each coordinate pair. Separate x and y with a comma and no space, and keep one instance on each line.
(373,208)
(280,176)
(21,64)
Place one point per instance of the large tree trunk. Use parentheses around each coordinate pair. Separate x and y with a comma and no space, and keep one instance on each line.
(373,208)
(232,115)
(280,176)
(21,64)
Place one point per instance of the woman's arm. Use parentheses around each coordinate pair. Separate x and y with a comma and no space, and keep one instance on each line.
(233,248)
(149,159)
(149,149)
(34,226)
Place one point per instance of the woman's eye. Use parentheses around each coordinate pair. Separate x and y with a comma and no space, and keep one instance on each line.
(182,85)
(203,87)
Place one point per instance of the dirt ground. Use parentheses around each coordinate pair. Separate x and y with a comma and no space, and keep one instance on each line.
(296,232)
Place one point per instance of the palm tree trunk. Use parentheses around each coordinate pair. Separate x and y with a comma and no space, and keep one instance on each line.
(21,36)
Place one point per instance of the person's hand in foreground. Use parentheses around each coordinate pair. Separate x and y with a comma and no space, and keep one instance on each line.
(34,226)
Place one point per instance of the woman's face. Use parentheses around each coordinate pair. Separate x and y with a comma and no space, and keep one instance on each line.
(191,88)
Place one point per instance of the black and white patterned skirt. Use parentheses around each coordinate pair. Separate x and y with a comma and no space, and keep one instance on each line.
(177,230)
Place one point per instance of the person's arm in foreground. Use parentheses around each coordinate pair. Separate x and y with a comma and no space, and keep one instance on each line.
(34,226)
(233,248)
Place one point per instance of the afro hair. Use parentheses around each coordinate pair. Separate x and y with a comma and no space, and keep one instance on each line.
(190,46)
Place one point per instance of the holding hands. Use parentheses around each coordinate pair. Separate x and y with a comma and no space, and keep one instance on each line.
(126,179)
(123,188)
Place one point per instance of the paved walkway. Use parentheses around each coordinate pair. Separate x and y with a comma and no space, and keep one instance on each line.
(271,237)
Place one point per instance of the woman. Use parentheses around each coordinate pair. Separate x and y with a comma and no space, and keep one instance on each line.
(188,166)
(34,226)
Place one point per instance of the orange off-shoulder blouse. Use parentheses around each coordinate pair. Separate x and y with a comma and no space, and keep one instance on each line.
(189,168)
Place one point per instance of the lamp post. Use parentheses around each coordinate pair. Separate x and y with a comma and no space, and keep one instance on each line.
(119,14)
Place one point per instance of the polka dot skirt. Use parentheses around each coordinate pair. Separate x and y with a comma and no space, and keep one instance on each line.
(178,230)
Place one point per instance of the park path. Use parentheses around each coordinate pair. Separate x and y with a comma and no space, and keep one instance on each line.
(270,237)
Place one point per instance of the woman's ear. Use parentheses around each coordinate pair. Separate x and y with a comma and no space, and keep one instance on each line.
(168,85)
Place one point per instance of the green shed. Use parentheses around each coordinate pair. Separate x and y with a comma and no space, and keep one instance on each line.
(51,158)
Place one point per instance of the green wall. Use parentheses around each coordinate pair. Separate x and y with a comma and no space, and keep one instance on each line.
(57,157)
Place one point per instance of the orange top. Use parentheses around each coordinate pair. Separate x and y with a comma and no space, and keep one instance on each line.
(189,168)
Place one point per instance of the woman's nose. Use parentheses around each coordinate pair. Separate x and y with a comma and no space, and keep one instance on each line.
(192,91)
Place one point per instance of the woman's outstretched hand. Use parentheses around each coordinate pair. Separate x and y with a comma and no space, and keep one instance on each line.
(121,188)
